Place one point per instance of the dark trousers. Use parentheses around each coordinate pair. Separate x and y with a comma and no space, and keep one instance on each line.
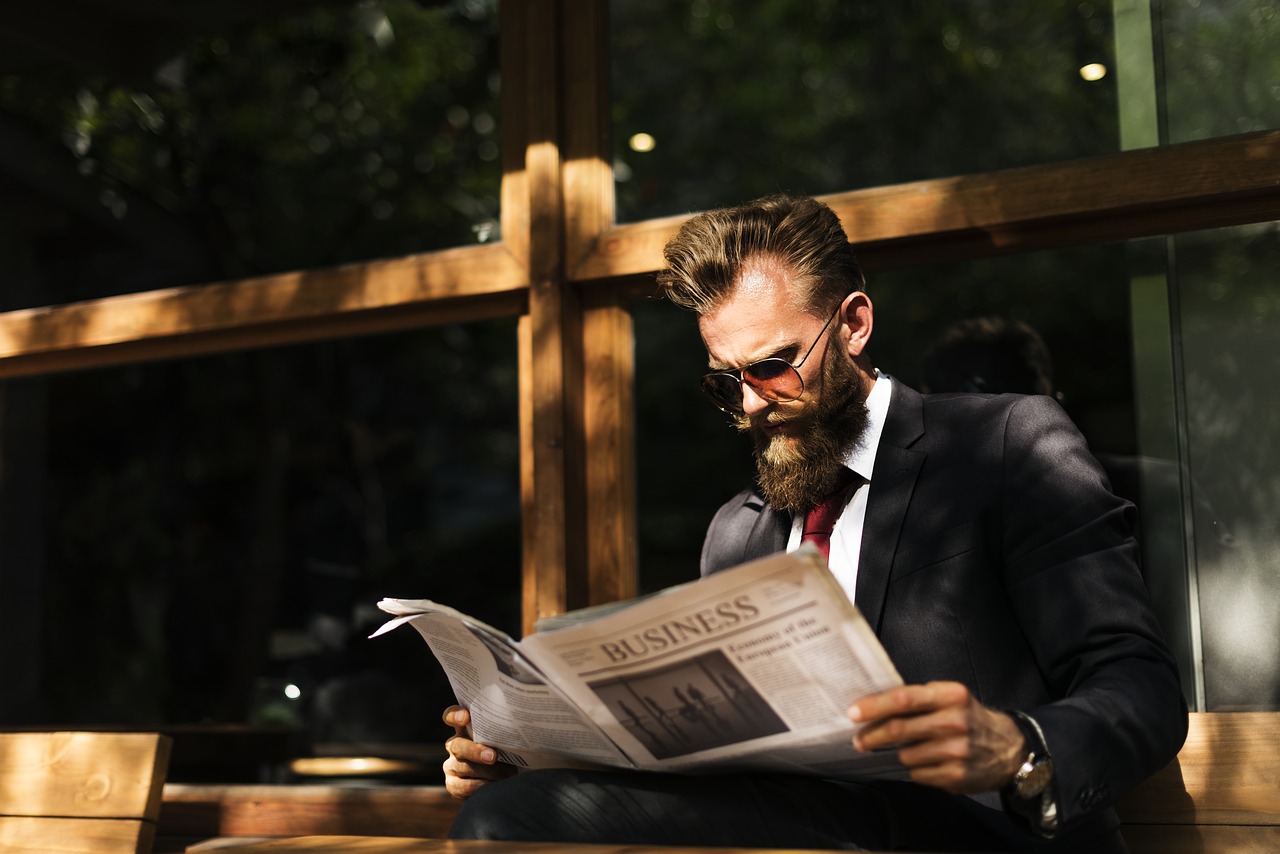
(748,810)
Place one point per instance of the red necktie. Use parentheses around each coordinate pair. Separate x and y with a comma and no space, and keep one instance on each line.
(821,520)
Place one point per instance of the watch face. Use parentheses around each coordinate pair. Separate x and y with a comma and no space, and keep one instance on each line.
(1034,776)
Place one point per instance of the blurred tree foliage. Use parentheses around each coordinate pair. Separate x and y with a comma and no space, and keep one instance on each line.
(1222,66)
(743,100)
(212,522)
(342,133)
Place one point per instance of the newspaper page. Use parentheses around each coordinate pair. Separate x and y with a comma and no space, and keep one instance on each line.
(751,669)
(513,709)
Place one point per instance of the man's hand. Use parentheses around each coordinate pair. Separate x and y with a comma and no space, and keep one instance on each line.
(470,765)
(944,736)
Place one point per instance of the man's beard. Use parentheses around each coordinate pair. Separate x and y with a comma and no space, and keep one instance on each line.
(796,473)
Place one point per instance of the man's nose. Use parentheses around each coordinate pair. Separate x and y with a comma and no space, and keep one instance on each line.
(752,402)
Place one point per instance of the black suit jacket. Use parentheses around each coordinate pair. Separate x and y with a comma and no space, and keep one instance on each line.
(994,554)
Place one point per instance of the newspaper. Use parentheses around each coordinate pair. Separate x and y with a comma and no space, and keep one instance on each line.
(749,669)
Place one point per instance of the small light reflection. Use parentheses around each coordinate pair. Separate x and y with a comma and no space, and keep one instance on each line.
(292,691)
(1093,71)
(642,142)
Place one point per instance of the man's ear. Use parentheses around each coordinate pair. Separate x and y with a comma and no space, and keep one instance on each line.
(858,315)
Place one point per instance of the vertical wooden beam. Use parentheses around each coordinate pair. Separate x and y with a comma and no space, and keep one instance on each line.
(588,169)
(576,372)
(609,416)
(550,334)
(608,341)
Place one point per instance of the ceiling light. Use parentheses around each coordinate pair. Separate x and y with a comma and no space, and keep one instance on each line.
(642,142)
(1093,71)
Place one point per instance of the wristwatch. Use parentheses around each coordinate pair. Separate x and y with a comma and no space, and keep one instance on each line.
(1031,792)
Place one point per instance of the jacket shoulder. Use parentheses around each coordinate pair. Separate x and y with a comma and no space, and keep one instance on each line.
(733,536)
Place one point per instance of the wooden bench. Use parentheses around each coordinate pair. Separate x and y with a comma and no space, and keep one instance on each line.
(193,813)
(80,792)
(1221,795)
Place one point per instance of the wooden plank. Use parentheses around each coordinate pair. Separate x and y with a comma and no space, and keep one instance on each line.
(551,341)
(1185,839)
(203,811)
(1002,208)
(1211,183)
(542,347)
(587,155)
(608,346)
(513,204)
(1105,226)
(609,412)
(1227,773)
(515,235)
(391,319)
(82,774)
(385,845)
(351,299)
(633,249)
(219,749)
(32,835)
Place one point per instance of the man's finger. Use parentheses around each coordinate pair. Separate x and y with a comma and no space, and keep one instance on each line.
(908,700)
(457,717)
(923,725)
(461,747)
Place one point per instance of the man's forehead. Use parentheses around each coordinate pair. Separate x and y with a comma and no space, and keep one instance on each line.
(761,276)
(757,320)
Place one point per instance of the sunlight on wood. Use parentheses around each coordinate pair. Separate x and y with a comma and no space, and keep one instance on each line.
(80,791)
(1217,182)
(319,296)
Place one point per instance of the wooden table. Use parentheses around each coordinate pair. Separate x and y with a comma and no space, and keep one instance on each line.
(403,845)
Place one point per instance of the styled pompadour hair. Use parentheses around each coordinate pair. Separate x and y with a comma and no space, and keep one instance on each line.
(705,257)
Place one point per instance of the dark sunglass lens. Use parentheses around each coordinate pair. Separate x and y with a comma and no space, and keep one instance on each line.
(767,371)
(724,390)
(775,379)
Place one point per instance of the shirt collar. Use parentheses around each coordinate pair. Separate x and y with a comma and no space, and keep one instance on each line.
(862,457)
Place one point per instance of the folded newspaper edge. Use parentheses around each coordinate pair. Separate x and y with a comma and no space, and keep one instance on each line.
(749,669)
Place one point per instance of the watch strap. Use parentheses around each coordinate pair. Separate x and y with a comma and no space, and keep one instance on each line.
(1030,731)
(1041,809)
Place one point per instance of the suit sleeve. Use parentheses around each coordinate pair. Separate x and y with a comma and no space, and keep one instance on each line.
(1073,580)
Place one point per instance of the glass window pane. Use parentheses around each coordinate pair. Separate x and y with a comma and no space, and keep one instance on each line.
(714,102)
(215,529)
(1221,66)
(232,140)
(1229,316)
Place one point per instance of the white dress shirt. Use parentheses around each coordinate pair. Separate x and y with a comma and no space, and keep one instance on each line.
(846,538)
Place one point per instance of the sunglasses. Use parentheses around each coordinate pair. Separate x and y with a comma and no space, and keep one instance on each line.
(772,379)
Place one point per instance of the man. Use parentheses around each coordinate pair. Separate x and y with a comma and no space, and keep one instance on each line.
(989,354)
(978,537)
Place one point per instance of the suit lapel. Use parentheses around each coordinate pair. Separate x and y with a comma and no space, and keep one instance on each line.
(769,535)
(893,482)
(750,531)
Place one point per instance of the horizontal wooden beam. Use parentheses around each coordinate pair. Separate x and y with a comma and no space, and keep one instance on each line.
(46,835)
(1172,189)
(202,811)
(1177,188)
(432,288)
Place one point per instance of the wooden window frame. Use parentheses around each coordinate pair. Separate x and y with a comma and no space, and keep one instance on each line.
(568,273)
